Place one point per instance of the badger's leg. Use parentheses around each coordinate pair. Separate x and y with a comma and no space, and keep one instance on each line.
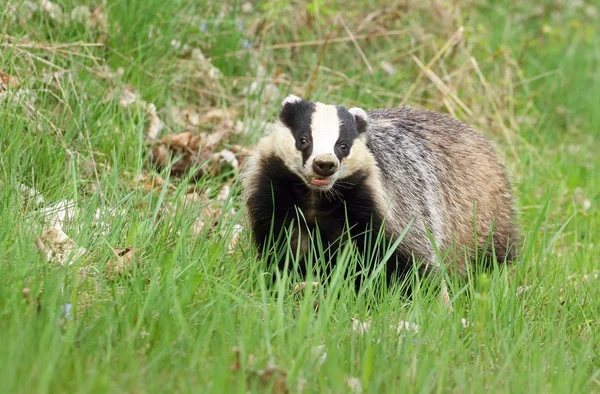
(273,218)
(373,245)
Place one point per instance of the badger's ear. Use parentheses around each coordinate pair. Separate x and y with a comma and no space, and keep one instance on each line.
(291,99)
(360,117)
(289,109)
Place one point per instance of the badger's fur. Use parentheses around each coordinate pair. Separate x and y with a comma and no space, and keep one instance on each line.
(326,166)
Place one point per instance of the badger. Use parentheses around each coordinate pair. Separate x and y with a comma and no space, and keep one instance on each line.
(421,181)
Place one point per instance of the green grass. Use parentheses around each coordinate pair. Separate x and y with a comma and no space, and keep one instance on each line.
(526,75)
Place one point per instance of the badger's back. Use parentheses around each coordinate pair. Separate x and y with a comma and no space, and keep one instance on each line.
(447,176)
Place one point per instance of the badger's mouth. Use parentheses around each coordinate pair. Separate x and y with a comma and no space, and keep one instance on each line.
(316,182)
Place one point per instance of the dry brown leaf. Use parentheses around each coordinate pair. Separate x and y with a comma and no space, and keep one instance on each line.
(217,116)
(186,140)
(191,149)
(8,81)
(56,247)
(123,262)
(185,116)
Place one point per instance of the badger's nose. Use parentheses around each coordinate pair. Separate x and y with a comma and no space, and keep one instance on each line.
(325,165)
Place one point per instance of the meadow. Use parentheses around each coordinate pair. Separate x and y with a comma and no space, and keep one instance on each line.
(125,262)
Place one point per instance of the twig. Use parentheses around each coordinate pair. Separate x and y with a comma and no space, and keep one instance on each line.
(455,39)
(442,87)
(296,44)
(315,70)
(360,52)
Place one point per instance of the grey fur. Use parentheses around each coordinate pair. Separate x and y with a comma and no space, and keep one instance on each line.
(431,162)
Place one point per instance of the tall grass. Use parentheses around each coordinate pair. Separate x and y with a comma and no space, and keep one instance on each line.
(191,315)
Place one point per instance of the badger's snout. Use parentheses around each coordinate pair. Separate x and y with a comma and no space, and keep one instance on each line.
(325,165)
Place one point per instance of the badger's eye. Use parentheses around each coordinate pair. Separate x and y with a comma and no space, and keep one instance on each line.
(343,147)
(303,141)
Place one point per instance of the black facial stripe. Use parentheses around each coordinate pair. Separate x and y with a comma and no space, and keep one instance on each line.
(306,153)
(348,132)
(298,117)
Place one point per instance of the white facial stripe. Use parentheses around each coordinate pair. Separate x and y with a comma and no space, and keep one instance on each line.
(325,129)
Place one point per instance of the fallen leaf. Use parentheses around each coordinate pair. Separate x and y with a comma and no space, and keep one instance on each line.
(8,81)
(123,262)
(191,149)
(185,116)
(56,247)
(218,116)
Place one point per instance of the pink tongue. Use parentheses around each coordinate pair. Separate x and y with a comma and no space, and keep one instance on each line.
(319,182)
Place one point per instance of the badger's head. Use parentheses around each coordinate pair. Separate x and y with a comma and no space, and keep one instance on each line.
(325,139)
